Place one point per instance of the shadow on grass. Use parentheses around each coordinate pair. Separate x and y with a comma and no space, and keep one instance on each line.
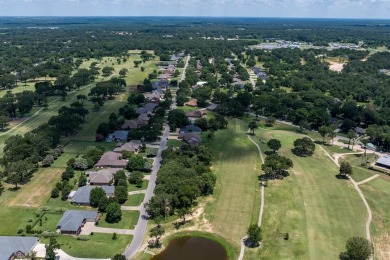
(14,189)
(341,177)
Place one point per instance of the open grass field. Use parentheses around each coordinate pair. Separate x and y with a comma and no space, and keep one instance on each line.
(236,200)
(134,200)
(14,218)
(129,220)
(377,193)
(49,222)
(95,247)
(319,211)
(36,192)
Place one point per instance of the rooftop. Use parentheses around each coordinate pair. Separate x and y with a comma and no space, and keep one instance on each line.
(12,244)
(82,194)
(111,159)
(72,220)
(384,160)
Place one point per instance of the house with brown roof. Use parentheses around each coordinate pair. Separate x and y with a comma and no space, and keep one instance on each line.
(102,177)
(112,160)
(132,146)
(130,124)
(192,103)
(143,119)
(193,138)
(196,113)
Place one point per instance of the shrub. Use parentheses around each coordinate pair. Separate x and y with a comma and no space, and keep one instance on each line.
(48,160)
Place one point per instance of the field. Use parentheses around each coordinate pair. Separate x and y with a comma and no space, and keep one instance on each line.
(312,205)
(129,220)
(236,199)
(95,247)
(14,218)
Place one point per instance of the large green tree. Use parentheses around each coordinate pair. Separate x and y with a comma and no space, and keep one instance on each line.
(113,212)
(274,144)
(358,248)
(304,146)
(254,235)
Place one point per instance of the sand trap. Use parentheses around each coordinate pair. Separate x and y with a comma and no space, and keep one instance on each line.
(338,67)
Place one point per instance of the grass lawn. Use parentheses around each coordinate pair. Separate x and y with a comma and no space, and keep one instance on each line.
(129,220)
(174,143)
(377,193)
(132,187)
(134,200)
(14,218)
(36,192)
(20,88)
(360,173)
(235,203)
(98,245)
(312,205)
(49,222)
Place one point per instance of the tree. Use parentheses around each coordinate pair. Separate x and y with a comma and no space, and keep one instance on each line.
(121,194)
(324,131)
(119,257)
(3,121)
(178,118)
(332,135)
(136,177)
(1,188)
(274,144)
(55,192)
(113,213)
(123,72)
(304,147)
(51,247)
(82,180)
(351,135)
(183,212)
(252,126)
(275,166)
(358,248)
(157,232)
(345,168)
(270,121)
(136,163)
(96,196)
(254,235)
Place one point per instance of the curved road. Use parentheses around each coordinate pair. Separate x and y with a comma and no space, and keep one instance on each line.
(140,229)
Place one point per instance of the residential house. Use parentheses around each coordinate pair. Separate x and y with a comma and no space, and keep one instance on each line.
(192,103)
(384,161)
(383,71)
(118,136)
(196,113)
(112,160)
(132,146)
(72,221)
(360,131)
(14,247)
(151,96)
(101,177)
(143,119)
(81,196)
(130,125)
(212,107)
(193,139)
(162,83)
(147,108)
(190,129)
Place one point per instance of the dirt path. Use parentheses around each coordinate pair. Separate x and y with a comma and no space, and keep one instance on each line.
(368,179)
(242,250)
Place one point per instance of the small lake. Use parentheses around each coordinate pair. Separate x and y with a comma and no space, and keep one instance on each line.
(192,248)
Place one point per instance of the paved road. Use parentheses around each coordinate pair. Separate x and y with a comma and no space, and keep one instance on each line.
(183,76)
(140,229)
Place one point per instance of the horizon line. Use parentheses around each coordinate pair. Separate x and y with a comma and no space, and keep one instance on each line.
(186,16)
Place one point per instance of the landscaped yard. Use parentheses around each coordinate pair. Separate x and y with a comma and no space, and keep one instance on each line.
(129,220)
(174,143)
(98,245)
(134,200)
(14,218)
(132,187)
(49,222)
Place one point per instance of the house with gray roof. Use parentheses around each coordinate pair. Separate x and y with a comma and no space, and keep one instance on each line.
(14,247)
(190,129)
(118,136)
(193,139)
(111,160)
(73,220)
(81,197)
(384,161)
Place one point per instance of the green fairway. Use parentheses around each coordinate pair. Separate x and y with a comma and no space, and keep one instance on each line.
(377,193)
(319,211)
(134,200)
(129,220)
(95,247)
(236,199)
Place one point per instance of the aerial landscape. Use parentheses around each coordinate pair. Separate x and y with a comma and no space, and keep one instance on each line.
(195,130)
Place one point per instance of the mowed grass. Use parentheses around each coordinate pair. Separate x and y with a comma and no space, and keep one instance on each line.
(20,88)
(129,220)
(36,192)
(95,247)
(134,200)
(377,193)
(236,200)
(14,218)
(319,211)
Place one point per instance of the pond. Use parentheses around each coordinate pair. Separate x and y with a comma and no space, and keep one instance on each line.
(193,248)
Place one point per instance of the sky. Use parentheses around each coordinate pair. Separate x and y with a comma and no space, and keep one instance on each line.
(227,8)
